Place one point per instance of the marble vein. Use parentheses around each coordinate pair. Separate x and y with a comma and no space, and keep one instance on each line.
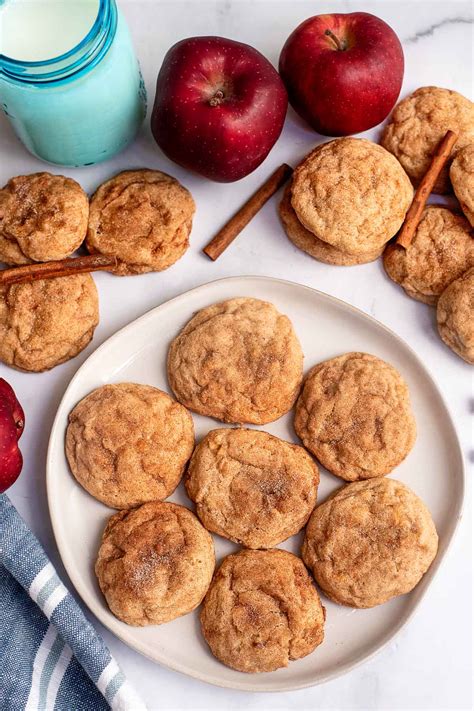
(429,31)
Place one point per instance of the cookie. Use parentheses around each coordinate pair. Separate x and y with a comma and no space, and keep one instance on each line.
(42,217)
(45,323)
(251,487)
(354,415)
(312,245)
(261,611)
(155,563)
(352,194)
(461,174)
(143,218)
(418,124)
(369,542)
(441,250)
(455,316)
(127,444)
(238,361)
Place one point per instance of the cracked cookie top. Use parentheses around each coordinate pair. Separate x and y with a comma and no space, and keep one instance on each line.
(44,323)
(155,563)
(128,443)
(141,217)
(261,611)
(238,361)
(440,251)
(354,415)
(369,542)
(418,124)
(455,316)
(251,487)
(352,194)
(43,217)
(312,245)
(461,174)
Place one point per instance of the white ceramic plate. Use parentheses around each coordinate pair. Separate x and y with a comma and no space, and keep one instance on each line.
(326,327)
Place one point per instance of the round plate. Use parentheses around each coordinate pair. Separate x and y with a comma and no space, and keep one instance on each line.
(326,327)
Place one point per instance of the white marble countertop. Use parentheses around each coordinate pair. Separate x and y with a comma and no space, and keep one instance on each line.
(429,665)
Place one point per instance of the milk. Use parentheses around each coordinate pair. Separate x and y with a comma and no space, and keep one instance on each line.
(36,30)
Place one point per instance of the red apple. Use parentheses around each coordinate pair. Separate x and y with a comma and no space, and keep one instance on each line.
(219,107)
(12,422)
(343,73)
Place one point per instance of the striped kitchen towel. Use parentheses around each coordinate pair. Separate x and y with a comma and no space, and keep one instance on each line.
(51,658)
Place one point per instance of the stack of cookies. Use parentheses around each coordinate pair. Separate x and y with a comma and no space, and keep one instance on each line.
(240,362)
(346,200)
(141,218)
(436,267)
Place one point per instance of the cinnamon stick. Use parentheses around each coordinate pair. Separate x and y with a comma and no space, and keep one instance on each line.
(413,216)
(242,217)
(60,268)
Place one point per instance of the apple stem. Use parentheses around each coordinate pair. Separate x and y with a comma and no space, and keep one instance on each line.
(340,44)
(217,98)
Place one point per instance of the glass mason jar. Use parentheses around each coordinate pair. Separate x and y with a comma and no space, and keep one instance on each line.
(83,106)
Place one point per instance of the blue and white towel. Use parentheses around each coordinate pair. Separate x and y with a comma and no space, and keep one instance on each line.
(51,658)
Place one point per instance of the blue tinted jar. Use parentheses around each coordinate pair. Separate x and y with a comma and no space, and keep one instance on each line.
(83,106)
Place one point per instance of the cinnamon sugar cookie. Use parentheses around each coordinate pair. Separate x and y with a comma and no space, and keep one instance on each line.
(369,542)
(461,175)
(251,487)
(128,443)
(418,124)
(261,611)
(42,217)
(155,563)
(354,415)
(143,218)
(441,250)
(352,194)
(455,316)
(312,245)
(238,361)
(44,323)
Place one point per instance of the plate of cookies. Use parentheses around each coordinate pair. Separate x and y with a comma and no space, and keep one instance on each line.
(254,484)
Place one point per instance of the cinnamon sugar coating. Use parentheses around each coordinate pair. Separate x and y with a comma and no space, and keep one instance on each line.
(354,415)
(418,124)
(261,611)
(461,175)
(238,361)
(127,444)
(455,316)
(43,217)
(441,250)
(369,542)
(155,563)
(47,322)
(143,218)
(352,194)
(251,487)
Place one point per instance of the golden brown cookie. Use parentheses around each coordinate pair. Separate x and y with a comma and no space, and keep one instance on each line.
(42,217)
(143,218)
(155,563)
(45,323)
(418,124)
(352,194)
(441,250)
(354,415)
(251,487)
(261,611)
(369,542)
(461,174)
(455,316)
(238,361)
(128,444)
(312,245)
